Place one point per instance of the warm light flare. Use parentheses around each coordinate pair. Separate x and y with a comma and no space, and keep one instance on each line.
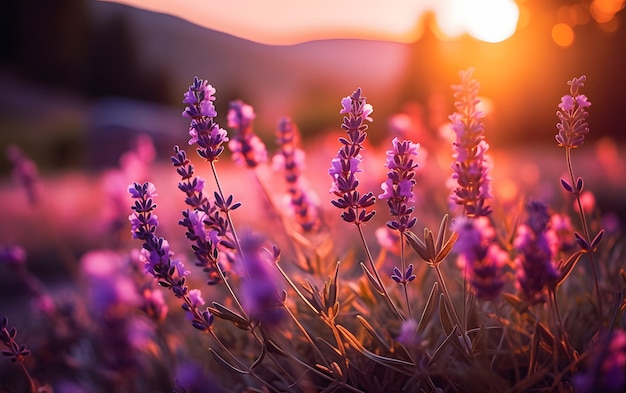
(486,20)
(280,22)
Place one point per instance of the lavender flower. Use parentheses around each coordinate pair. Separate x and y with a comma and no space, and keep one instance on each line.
(16,352)
(156,252)
(259,289)
(203,130)
(573,116)
(606,371)
(205,225)
(471,166)
(480,256)
(537,246)
(345,166)
(13,256)
(25,173)
(290,159)
(398,188)
(246,147)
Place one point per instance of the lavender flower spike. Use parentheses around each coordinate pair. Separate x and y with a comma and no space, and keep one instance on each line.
(203,130)
(157,256)
(398,188)
(471,165)
(345,166)
(247,148)
(290,159)
(537,246)
(480,255)
(573,116)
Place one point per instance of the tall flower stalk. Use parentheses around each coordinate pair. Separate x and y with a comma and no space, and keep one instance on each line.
(209,137)
(471,166)
(398,192)
(344,167)
(572,129)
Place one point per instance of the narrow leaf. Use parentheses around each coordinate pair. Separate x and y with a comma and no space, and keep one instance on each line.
(579,185)
(373,333)
(428,309)
(581,241)
(417,245)
(372,279)
(568,266)
(444,315)
(596,240)
(441,235)
(567,186)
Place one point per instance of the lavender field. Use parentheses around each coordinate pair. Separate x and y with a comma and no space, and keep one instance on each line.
(454,240)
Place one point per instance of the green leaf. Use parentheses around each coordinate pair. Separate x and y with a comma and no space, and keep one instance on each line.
(441,235)
(221,311)
(372,279)
(428,309)
(373,333)
(567,268)
(417,245)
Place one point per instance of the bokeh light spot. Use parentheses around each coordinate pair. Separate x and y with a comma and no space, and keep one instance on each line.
(562,34)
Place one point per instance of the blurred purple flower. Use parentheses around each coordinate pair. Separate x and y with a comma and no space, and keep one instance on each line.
(345,166)
(12,255)
(290,159)
(25,173)
(471,164)
(246,147)
(537,246)
(191,378)
(203,130)
(480,256)
(572,126)
(606,368)
(259,288)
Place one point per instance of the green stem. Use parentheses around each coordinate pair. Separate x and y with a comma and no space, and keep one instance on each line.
(379,281)
(228,217)
(446,295)
(404,284)
(583,219)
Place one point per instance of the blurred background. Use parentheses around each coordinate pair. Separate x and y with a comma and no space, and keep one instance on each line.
(81,79)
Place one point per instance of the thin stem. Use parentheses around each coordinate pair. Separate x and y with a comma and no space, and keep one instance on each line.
(404,283)
(31,382)
(239,363)
(306,335)
(583,219)
(379,281)
(231,291)
(446,295)
(228,217)
(561,327)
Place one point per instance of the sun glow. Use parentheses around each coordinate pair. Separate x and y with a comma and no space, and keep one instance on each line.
(486,20)
(280,22)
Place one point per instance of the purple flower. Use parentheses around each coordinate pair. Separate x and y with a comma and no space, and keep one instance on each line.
(153,304)
(25,173)
(13,256)
(480,256)
(246,147)
(606,367)
(572,126)
(156,255)
(537,246)
(259,288)
(398,188)
(345,166)
(471,166)
(290,159)
(16,352)
(203,130)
